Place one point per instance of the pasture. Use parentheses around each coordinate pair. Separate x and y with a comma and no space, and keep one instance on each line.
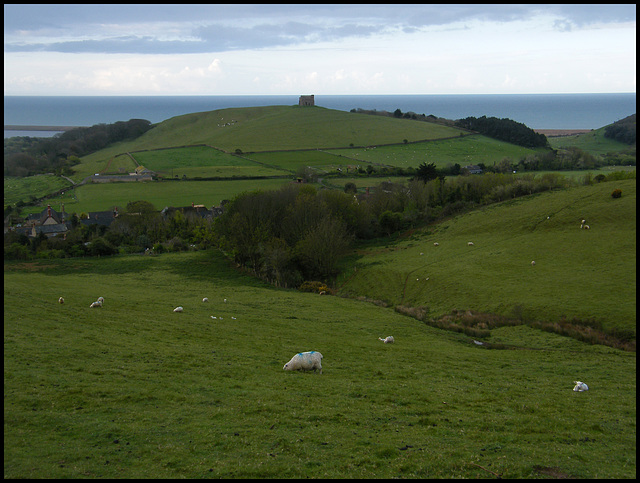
(592,142)
(201,161)
(32,187)
(463,150)
(586,274)
(134,390)
(104,196)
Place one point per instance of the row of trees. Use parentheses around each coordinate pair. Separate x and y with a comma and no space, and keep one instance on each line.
(27,156)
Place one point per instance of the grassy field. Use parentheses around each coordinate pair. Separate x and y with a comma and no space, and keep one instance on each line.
(201,161)
(593,142)
(134,390)
(104,196)
(267,129)
(587,274)
(462,150)
(24,189)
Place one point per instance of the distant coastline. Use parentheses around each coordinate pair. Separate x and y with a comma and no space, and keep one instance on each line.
(14,127)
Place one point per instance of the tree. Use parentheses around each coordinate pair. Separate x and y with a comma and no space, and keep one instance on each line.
(426,172)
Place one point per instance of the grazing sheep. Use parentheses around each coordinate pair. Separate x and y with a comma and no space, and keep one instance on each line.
(205,299)
(101,300)
(61,300)
(178,309)
(387,340)
(583,221)
(470,243)
(436,244)
(586,227)
(94,305)
(580,386)
(533,263)
(305,361)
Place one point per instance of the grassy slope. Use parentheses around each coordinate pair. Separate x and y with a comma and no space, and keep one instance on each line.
(271,128)
(592,142)
(135,390)
(589,274)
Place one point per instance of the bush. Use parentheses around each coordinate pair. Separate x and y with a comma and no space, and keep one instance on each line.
(616,193)
(313,286)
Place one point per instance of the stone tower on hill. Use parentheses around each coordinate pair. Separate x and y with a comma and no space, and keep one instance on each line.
(306,101)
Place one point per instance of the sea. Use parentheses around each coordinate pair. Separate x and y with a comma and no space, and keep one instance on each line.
(537,111)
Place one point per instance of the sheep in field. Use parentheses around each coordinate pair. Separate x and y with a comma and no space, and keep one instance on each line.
(95,304)
(205,299)
(580,386)
(387,340)
(586,227)
(305,361)
(101,300)
(178,309)
(470,244)
(533,263)
(436,244)
(61,300)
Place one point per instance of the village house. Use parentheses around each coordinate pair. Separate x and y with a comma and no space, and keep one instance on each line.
(472,169)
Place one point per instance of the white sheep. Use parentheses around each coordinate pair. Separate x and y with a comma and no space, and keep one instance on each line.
(305,361)
(586,227)
(387,340)
(470,244)
(580,386)
(61,300)
(583,221)
(205,299)
(436,244)
(101,300)
(178,309)
(533,263)
(94,305)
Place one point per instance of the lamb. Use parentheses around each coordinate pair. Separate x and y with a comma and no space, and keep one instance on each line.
(178,309)
(305,361)
(580,386)
(387,340)
(61,300)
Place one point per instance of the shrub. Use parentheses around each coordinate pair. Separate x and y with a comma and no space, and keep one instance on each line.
(616,193)
(313,286)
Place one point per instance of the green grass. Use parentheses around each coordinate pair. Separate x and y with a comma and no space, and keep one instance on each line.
(586,274)
(134,390)
(462,150)
(104,196)
(201,161)
(593,142)
(24,189)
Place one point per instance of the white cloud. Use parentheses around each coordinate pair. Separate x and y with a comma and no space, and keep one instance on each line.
(328,49)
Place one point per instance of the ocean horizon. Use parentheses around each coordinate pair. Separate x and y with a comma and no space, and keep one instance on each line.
(537,111)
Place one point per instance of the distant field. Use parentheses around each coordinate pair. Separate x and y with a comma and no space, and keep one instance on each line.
(462,150)
(320,160)
(23,189)
(201,161)
(101,197)
(593,142)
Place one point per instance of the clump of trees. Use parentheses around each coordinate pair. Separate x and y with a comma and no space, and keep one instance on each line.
(27,156)
(505,130)
(623,130)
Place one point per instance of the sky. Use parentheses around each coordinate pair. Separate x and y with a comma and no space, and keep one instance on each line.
(321,49)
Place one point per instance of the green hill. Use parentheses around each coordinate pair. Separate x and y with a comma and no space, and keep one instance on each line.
(271,128)
(589,275)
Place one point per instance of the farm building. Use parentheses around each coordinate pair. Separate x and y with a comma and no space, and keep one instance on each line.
(472,169)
